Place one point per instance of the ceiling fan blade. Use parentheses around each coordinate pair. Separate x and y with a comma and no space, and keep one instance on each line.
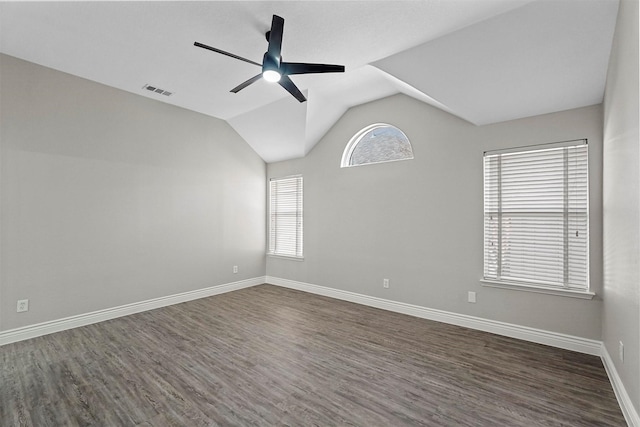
(275,39)
(302,68)
(286,83)
(247,83)
(204,46)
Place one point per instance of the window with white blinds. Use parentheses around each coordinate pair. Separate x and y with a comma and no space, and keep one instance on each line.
(285,217)
(536,216)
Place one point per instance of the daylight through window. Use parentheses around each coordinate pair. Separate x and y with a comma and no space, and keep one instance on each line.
(377,143)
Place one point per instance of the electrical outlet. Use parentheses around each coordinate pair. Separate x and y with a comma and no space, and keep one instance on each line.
(23,305)
(621,351)
(235,269)
(385,283)
(471,297)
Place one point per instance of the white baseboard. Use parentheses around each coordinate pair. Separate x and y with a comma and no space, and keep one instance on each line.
(628,410)
(554,339)
(32,331)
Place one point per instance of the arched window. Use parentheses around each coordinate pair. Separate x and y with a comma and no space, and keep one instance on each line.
(377,143)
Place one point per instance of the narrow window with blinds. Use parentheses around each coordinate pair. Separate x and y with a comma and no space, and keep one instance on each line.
(285,217)
(536,216)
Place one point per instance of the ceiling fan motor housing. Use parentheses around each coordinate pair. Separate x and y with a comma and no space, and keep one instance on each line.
(270,63)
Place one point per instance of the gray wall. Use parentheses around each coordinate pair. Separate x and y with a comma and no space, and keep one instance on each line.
(110,198)
(621,194)
(419,222)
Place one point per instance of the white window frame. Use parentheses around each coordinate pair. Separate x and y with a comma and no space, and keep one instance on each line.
(499,244)
(286,225)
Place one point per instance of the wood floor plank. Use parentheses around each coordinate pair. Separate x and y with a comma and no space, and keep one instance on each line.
(266,356)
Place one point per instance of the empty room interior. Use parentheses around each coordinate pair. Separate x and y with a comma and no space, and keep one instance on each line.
(318,213)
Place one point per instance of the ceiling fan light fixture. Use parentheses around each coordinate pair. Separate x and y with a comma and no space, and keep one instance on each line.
(271,76)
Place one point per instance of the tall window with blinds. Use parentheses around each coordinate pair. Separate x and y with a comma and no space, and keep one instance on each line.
(285,217)
(536,216)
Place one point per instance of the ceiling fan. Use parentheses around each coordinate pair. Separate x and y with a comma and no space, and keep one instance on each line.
(273,68)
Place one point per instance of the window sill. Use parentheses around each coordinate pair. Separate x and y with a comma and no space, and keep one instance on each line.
(290,258)
(537,289)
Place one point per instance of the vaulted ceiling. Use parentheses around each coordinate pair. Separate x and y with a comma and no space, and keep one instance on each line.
(483,61)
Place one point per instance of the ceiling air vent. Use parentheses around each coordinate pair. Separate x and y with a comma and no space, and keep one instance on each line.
(157,90)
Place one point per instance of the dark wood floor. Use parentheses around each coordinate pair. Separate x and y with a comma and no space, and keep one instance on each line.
(268,356)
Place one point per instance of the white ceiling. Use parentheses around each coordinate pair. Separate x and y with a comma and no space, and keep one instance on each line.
(484,61)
